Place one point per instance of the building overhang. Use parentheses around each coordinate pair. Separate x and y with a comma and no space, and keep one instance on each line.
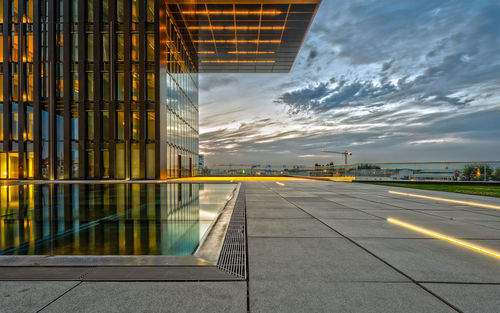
(244,36)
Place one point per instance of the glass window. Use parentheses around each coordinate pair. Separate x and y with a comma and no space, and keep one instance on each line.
(136,164)
(90,125)
(120,10)
(1,45)
(135,47)
(120,49)
(76,85)
(150,11)
(120,90)
(151,164)
(105,163)
(120,161)
(29,117)
(151,125)
(74,47)
(90,47)
(105,125)
(1,86)
(105,86)
(105,10)
(120,125)
(105,47)
(135,125)
(1,121)
(14,121)
(74,126)
(135,84)
(135,10)
(74,160)
(151,47)
(90,11)
(90,160)
(90,86)
(151,86)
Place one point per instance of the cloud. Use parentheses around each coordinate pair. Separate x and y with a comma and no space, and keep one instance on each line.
(393,80)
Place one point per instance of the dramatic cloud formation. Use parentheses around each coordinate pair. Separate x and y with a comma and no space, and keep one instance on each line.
(389,80)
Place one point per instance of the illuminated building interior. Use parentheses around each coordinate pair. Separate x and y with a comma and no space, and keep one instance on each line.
(108,89)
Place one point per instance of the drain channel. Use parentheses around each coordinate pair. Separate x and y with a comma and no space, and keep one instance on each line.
(233,255)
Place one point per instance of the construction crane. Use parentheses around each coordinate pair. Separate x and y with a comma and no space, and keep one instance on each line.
(345,153)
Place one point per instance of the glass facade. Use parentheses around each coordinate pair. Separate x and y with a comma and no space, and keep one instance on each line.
(80,92)
(108,89)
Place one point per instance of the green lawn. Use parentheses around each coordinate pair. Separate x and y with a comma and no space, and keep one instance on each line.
(492,191)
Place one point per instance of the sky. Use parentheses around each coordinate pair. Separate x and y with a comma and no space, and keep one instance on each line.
(390,81)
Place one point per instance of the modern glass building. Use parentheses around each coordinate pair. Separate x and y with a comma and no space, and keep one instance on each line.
(98,89)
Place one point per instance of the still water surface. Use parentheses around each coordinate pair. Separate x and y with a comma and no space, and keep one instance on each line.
(108,219)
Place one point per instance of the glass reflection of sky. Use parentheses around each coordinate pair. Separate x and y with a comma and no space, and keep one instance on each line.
(108,219)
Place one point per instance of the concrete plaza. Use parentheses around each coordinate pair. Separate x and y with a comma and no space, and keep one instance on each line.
(316,246)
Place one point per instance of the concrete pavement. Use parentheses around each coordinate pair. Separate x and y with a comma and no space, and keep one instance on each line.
(319,246)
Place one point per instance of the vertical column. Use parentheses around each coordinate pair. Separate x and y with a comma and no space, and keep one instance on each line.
(67,87)
(113,84)
(6,76)
(97,90)
(126,44)
(158,118)
(82,92)
(21,110)
(37,117)
(142,89)
(52,88)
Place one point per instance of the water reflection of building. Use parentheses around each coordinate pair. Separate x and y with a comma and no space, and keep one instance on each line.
(109,89)
(120,219)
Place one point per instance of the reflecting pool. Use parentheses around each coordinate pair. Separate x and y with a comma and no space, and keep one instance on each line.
(108,219)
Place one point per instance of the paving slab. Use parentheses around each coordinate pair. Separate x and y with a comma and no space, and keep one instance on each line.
(436,260)
(318,260)
(277,213)
(312,296)
(299,227)
(30,296)
(469,298)
(173,297)
(334,213)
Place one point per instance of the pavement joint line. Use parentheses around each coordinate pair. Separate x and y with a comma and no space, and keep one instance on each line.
(60,296)
(387,263)
(470,203)
(445,237)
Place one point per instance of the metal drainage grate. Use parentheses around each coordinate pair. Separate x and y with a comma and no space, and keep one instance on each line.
(233,255)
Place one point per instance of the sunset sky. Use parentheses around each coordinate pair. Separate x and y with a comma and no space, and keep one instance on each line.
(391,81)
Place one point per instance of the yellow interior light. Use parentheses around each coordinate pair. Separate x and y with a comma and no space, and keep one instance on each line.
(206,52)
(237,27)
(251,52)
(238,61)
(444,237)
(482,205)
(237,41)
(233,12)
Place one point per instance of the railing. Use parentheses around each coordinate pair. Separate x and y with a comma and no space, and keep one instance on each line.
(416,171)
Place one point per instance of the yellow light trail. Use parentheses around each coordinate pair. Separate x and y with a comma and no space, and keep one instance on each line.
(482,205)
(237,61)
(237,41)
(233,12)
(444,237)
(237,27)
(206,52)
(251,52)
